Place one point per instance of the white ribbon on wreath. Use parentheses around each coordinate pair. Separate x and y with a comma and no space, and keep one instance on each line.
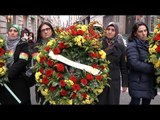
(65,60)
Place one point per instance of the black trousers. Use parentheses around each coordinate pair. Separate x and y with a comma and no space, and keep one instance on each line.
(138,101)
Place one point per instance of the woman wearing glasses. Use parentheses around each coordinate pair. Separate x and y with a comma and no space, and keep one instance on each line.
(45,32)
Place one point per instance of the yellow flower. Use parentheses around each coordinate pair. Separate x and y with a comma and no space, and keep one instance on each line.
(79,40)
(69,82)
(155,31)
(153,59)
(88,100)
(70,102)
(44,92)
(38,57)
(84,27)
(103,54)
(2,61)
(99,90)
(51,42)
(1,42)
(52,102)
(157,65)
(3,71)
(152,49)
(37,76)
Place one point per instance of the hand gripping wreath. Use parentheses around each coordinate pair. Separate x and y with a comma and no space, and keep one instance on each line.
(154,50)
(72,69)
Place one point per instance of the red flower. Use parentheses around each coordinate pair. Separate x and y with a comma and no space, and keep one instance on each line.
(76,87)
(86,37)
(73,78)
(60,67)
(62,45)
(56,51)
(73,96)
(84,81)
(157,37)
(94,65)
(72,27)
(60,75)
(63,93)
(73,32)
(89,76)
(50,63)
(52,88)
(99,77)
(41,70)
(102,67)
(80,32)
(45,81)
(62,83)
(84,95)
(158,49)
(47,48)
(92,55)
(49,72)
(1,51)
(43,59)
(1,64)
(99,55)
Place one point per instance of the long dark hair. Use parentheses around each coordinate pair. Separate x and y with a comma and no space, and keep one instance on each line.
(39,37)
(135,28)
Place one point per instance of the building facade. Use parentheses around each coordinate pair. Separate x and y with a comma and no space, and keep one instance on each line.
(30,22)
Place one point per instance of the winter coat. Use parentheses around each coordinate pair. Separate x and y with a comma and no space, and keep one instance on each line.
(17,83)
(141,73)
(116,55)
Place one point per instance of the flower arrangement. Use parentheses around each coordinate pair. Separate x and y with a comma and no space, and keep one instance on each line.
(154,50)
(3,57)
(71,68)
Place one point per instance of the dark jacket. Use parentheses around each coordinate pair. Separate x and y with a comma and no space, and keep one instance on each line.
(116,55)
(141,73)
(17,82)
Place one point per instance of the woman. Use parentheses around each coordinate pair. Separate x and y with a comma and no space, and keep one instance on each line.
(31,41)
(45,32)
(16,64)
(115,53)
(141,73)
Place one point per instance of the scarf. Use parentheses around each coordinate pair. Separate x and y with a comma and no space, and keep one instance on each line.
(11,45)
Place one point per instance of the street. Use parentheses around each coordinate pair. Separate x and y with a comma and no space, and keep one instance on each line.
(124,98)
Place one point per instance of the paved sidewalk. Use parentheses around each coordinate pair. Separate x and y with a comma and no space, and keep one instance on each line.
(125,99)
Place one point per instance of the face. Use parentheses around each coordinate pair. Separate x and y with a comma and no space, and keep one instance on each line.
(110,32)
(12,33)
(141,33)
(46,32)
(30,35)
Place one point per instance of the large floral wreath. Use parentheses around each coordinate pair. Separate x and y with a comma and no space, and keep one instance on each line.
(154,50)
(3,58)
(72,68)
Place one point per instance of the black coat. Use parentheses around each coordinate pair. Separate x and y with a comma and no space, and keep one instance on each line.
(141,73)
(118,71)
(17,83)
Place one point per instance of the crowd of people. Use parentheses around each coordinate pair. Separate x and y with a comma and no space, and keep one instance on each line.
(128,68)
